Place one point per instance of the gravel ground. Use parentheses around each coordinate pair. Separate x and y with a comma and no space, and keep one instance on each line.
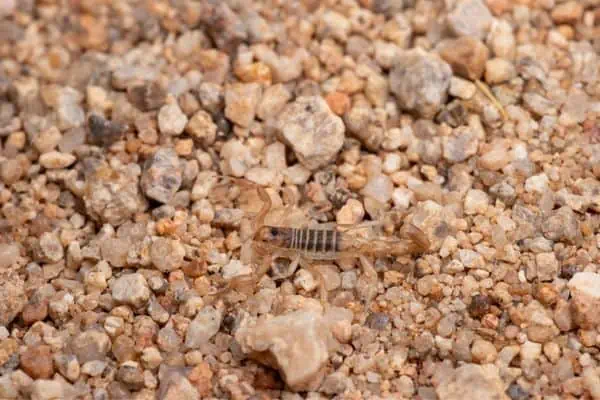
(477,121)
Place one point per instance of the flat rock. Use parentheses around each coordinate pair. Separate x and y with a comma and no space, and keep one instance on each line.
(420,82)
(297,344)
(312,130)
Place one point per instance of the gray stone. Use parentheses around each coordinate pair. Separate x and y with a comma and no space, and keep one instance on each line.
(314,133)
(420,82)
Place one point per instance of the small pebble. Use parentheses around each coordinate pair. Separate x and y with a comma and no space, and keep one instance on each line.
(162,175)
(56,160)
(171,120)
(420,82)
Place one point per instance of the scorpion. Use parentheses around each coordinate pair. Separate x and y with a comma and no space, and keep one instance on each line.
(305,245)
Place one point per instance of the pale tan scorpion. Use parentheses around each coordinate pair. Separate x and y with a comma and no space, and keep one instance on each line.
(320,242)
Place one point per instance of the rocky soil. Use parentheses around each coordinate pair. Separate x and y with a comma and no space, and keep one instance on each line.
(478,121)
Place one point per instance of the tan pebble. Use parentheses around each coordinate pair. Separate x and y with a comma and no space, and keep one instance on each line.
(56,160)
(467,57)
(256,72)
(184,147)
(37,362)
(568,12)
(483,352)
(498,7)
(338,102)
(498,70)
(351,213)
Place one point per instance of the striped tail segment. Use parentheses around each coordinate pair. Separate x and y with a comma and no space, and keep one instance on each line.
(315,240)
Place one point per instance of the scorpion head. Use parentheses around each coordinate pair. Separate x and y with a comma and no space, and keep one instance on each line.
(273,235)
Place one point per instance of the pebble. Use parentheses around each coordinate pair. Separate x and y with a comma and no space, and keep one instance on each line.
(162,175)
(461,88)
(476,202)
(420,82)
(351,213)
(7,7)
(70,115)
(37,362)
(483,352)
(11,171)
(235,268)
(470,18)
(171,120)
(499,70)
(128,75)
(273,101)
(50,248)
(561,225)
(467,56)
(113,200)
(495,159)
(43,389)
(167,254)
(9,253)
(131,289)
(12,299)
(380,188)
(378,321)
(202,127)
(460,146)
(56,160)
(147,96)
(313,132)
(530,351)
(334,25)
(104,132)
(224,26)
(174,385)
(93,368)
(115,251)
(241,102)
(305,280)
(72,140)
(203,327)
(47,140)
(458,383)
(567,12)
(297,343)
(90,345)
(585,297)
(8,390)
(33,312)
(537,183)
